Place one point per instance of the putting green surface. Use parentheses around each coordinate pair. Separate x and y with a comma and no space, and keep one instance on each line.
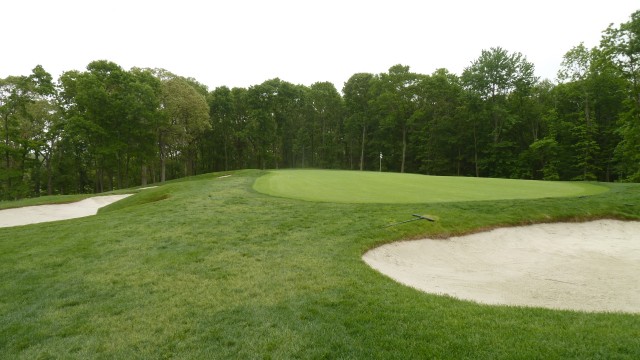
(373,187)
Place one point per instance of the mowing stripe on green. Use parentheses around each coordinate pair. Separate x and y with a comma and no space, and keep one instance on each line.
(374,187)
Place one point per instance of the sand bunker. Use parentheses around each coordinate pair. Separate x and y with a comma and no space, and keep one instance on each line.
(45,213)
(591,266)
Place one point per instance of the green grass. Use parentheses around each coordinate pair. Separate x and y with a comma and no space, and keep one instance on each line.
(57,199)
(210,268)
(393,188)
(45,200)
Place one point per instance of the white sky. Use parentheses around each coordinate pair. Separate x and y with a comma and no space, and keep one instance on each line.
(245,42)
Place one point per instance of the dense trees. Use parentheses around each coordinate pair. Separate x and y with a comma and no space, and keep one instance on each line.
(183,118)
(106,127)
(358,97)
(27,128)
(502,82)
(110,117)
(621,46)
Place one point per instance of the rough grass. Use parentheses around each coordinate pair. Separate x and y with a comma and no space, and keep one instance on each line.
(45,200)
(209,268)
(394,188)
(57,199)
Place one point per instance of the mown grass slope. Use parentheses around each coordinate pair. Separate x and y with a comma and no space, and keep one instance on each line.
(210,268)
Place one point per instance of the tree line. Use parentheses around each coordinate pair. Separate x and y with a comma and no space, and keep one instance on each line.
(107,128)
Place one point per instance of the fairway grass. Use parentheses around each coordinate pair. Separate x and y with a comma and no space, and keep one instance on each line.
(209,268)
(374,187)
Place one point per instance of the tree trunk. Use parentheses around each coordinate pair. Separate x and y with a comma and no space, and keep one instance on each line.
(364,133)
(163,169)
(587,116)
(496,121)
(143,175)
(154,178)
(350,153)
(226,154)
(7,154)
(100,184)
(475,151)
(323,150)
(587,112)
(49,177)
(110,176)
(404,147)
(37,169)
(274,151)
(126,171)
(118,171)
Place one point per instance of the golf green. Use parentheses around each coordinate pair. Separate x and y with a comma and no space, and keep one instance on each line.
(374,187)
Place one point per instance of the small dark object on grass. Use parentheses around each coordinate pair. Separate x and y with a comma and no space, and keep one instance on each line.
(418,217)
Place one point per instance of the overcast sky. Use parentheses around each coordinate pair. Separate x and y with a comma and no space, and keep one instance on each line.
(245,42)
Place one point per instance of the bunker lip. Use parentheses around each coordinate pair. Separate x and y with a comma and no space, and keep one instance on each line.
(591,266)
(54,212)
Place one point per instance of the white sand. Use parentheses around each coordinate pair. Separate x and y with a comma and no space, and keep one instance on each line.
(592,266)
(45,213)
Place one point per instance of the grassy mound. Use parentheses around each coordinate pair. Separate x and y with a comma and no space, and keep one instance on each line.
(374,187)
(209,268)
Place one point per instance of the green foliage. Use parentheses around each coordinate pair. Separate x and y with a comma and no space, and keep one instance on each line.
(108,128)
(622,47)
(628,149)
(327,122)
(397,106)
(503,81)
(26,121)
(358,95)
(545,151)
(184,117)
(110,115)
(497,73)
(442,135)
